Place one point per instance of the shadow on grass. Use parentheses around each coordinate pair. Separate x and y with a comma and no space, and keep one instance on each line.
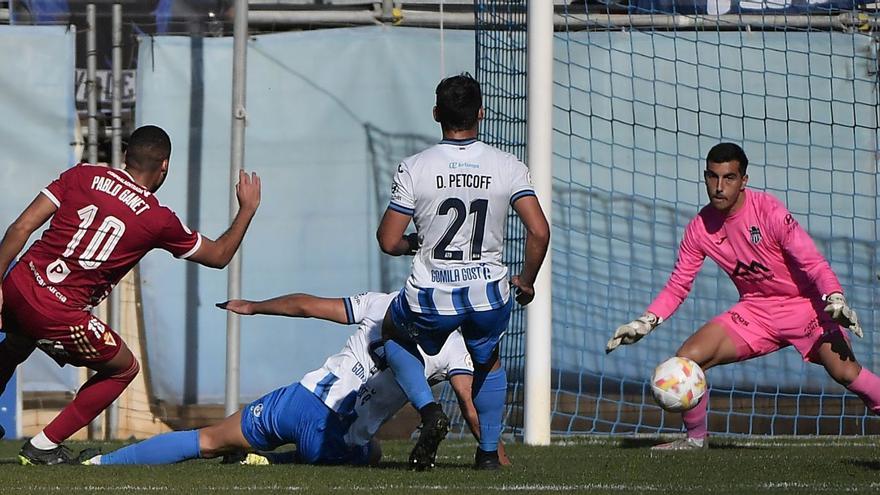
(638,443)
(867,465)
(404,466)
(647,443)
(733,446)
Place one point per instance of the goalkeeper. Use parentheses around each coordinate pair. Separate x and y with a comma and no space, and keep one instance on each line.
(788,293)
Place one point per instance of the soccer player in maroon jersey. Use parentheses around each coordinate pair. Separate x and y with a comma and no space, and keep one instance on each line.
(103,222)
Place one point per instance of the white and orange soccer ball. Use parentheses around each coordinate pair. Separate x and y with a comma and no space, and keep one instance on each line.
(678,384)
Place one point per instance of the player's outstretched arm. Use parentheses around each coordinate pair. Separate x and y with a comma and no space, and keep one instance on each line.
(32,218)
(217,254)
(633,331)
(462,384)
(390,234)
(293,305)
(537,239)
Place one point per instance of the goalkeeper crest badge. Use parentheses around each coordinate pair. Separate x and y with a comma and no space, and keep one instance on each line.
(755,233)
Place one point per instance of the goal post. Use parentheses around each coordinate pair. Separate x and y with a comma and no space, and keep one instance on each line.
(539,314)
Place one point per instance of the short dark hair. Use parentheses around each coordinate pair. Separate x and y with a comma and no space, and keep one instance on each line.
(459,100)
(728,152)
(147,148)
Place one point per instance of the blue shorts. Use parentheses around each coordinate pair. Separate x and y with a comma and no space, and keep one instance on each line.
(293,414)
(482,330)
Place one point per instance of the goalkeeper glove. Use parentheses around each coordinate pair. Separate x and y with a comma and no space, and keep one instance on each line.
(842,313)
(633,331)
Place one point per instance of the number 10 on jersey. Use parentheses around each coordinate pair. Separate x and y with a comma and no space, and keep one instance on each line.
(98,250)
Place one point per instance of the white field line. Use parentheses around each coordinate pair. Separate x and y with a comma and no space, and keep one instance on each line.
(758,441)
(621,487)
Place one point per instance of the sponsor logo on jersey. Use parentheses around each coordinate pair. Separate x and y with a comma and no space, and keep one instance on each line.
(358,299)
(42,283)
(455,165)
(811,327)
(96,327)
(754,271)
(359,371)
(365,393)
(755,232)
(460,274)
(57,271)
(257,410)
(738,318)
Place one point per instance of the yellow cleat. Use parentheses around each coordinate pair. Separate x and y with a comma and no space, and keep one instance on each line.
(255,460)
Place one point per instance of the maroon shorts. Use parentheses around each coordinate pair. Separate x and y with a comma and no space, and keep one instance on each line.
(67,335)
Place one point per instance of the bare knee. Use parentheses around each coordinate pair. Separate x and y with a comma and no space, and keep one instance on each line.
(222,438)
(209,443)
(129,373)
(696,353)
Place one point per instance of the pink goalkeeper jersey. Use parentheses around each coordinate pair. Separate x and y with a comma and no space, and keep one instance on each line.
(761,247)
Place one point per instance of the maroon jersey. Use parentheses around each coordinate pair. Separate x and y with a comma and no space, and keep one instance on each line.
(104,225)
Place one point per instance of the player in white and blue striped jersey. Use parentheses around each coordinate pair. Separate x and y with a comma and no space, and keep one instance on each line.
(458,194)
(333,412)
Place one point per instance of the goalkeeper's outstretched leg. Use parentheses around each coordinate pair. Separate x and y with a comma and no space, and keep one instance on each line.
(837,357)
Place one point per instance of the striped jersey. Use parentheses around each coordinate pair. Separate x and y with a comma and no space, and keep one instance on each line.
(458,193)
(344,383)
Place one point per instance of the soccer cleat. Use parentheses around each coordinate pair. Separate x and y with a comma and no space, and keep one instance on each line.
(435,425)
(234,458)
(486,461)
(683,444)
(253,459)
(30,456)
(247,459)
(88,457)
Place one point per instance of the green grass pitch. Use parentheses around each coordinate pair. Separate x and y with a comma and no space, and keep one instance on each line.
(580,465)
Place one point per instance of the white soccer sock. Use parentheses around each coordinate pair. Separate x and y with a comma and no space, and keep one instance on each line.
(42,442)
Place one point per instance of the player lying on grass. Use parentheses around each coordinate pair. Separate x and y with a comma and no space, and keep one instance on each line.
(332,413)
(788,293)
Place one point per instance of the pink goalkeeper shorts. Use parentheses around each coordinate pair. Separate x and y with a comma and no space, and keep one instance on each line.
(760,327)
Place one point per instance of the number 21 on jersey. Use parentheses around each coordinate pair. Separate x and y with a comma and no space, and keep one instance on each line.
(478,208)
